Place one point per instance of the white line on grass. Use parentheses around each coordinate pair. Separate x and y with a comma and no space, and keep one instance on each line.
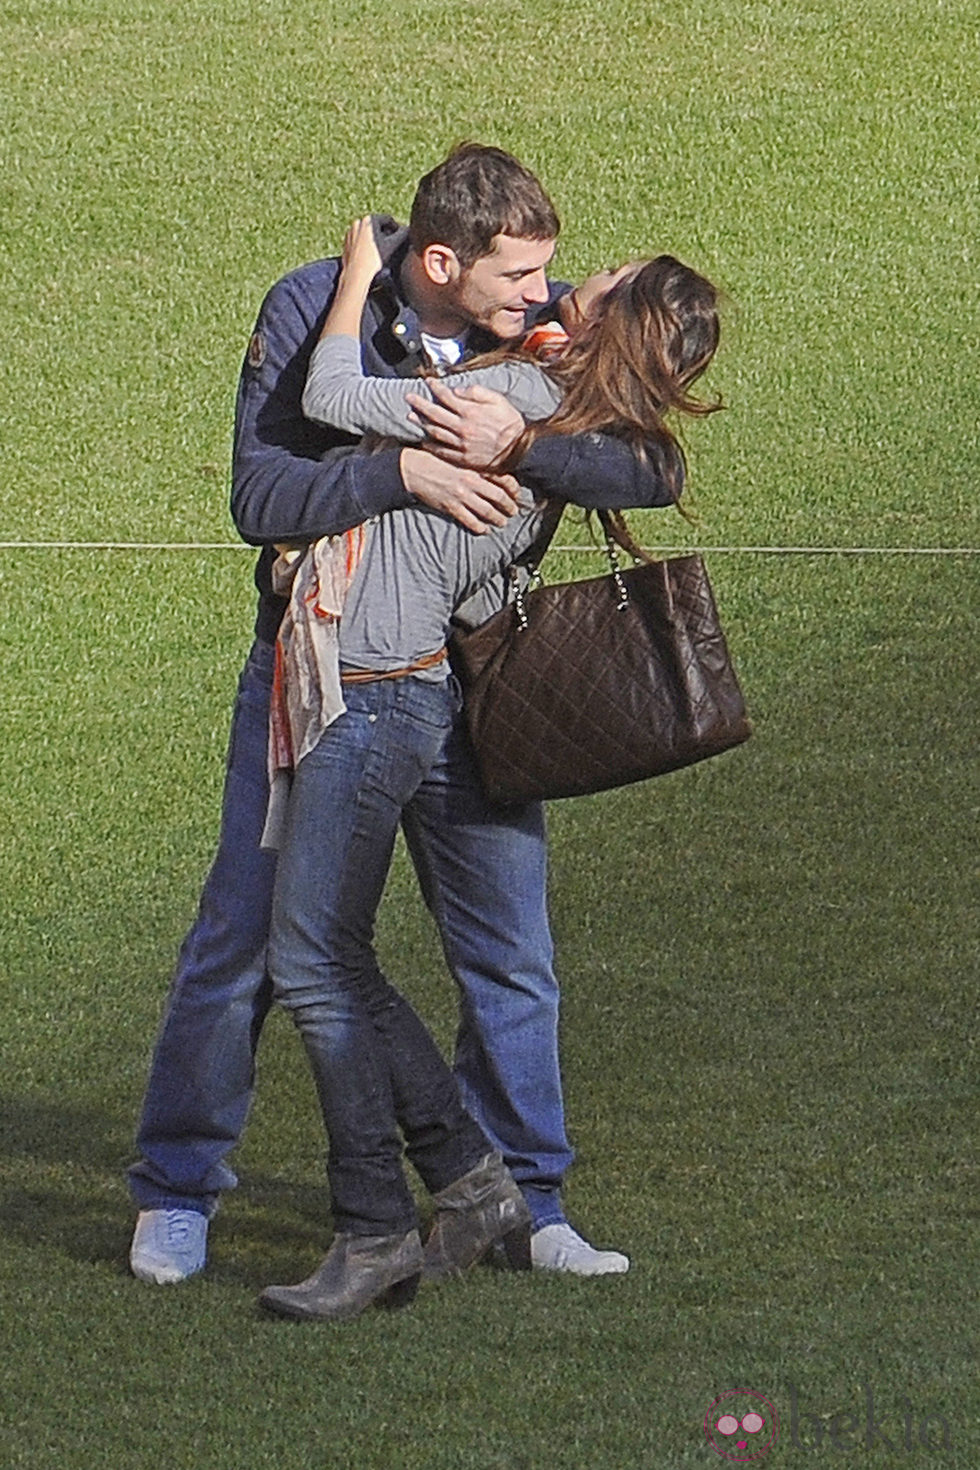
(758,550)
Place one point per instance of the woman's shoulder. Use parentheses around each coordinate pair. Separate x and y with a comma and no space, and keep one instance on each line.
(525,382)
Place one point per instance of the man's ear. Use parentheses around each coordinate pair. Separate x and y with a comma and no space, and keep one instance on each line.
(441,264)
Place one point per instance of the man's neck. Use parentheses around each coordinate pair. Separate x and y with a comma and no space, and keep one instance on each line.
(426,300)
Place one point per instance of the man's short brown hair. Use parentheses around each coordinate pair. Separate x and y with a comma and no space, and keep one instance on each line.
(475,194)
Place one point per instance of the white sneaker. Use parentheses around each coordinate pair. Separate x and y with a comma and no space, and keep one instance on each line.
(560,1248)
(168,1245)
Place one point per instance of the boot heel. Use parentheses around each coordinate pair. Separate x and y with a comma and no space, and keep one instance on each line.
(517,1247)
(402,1294)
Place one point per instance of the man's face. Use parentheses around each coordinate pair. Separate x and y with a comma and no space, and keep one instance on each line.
(497,290)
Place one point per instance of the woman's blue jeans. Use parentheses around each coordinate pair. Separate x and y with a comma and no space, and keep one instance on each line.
(375,1064)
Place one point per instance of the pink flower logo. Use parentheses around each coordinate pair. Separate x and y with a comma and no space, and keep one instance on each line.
(741,1425)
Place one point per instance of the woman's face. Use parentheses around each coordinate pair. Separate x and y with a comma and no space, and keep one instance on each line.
(582,301)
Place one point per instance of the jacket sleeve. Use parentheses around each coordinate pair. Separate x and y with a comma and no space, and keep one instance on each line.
(601,472)
(293,480)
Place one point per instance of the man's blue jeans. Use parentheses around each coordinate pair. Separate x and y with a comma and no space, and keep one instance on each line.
(483,874)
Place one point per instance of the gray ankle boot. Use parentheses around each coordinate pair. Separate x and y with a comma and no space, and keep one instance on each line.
(472,1214)
(357,1272)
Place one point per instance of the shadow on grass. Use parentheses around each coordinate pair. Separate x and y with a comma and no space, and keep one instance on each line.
(50,1133)
(65,1191)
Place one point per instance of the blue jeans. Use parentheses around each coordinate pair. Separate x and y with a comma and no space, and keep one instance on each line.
(483,874)
(378,1072)
(203,1068)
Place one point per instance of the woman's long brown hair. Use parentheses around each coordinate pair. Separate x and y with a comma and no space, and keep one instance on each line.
(630,365)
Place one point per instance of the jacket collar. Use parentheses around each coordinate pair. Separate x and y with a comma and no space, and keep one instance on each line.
(391,310)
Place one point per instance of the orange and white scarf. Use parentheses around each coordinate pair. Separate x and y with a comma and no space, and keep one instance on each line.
(307,694)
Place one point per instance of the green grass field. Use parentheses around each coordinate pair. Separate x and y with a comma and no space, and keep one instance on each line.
(769,961)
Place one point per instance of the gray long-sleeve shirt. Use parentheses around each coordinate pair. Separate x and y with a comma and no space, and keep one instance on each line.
(419,567)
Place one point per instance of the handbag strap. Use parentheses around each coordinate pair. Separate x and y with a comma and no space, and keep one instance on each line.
(534,555)
(532,558)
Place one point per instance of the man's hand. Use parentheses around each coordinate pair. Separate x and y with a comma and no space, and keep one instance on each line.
(466,426)
(470,498)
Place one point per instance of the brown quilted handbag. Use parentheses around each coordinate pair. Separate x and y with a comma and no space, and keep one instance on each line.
(582,686)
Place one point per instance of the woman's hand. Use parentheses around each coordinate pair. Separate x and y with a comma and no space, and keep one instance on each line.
(360,262)
(361,256)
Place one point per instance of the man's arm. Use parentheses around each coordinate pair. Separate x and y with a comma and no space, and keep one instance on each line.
(295,480)
(601,472)
(291,479)
(476,502)
(597,471)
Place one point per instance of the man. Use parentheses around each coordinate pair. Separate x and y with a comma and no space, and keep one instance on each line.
(466,275)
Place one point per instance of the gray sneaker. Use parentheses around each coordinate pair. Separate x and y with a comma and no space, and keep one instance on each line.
(168,1245)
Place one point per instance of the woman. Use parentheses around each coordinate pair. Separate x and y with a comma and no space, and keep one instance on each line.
(374,727)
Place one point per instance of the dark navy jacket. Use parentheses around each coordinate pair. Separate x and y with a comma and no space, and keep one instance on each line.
(294,480)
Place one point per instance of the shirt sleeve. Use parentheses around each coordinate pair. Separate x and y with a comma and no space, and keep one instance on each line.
(338,392)
(292,479)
